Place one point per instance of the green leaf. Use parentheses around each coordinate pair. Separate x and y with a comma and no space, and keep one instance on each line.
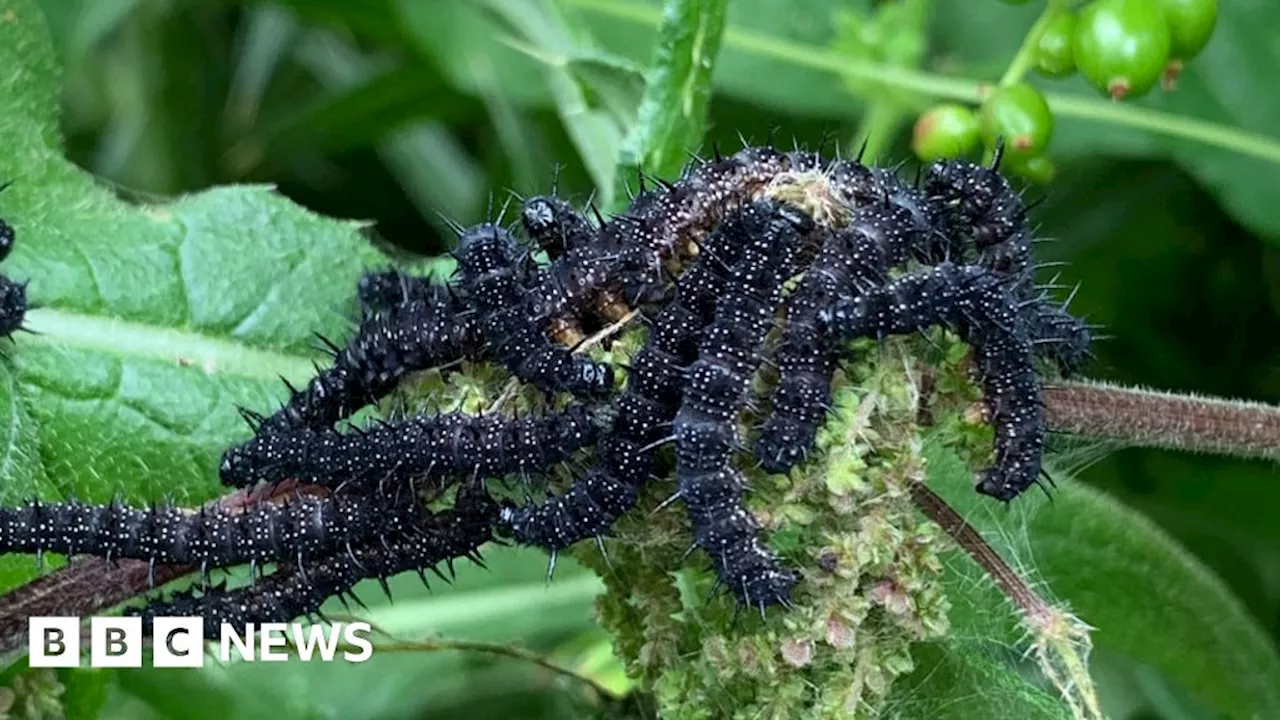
(962,679)
(613,83)
(673,112)
(86,691)
(432,166)
(530,55)
(510,603)
(268,33)
(454,35)
(153,322)
(1148,599)
(629,27)
(363,113)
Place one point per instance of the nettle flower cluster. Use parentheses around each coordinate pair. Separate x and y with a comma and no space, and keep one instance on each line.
(744,307)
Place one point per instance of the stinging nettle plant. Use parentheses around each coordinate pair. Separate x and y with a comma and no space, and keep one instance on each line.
(154,322)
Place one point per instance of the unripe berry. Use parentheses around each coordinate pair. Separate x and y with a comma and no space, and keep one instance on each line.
(1018,116)
(1121,46)
(944,131)
(1054,53)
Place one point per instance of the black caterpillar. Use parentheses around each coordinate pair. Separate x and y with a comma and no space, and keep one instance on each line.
(423,448)
(705,426)
(490,261)
(555,227)
(857,256)
(297,529)
(979,204)
(654,391)
(294,591)
(590,506)
(979,306)
(408,325)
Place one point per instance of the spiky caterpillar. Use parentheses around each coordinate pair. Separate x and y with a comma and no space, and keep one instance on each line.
(490,261)
(854,258)
(705,425)
(921,235)
(294,590)
(1060,337)
(575,286)
(980,205)
(669,221)
(981,307)
(654,390)
(390,290)
(554,226)
(658,368)
(624,262)
(430,448)
(409,325)
(974,205)
(590,506)
(297,529)
(13,295)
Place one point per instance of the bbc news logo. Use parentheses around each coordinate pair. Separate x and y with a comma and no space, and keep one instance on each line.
(178,642)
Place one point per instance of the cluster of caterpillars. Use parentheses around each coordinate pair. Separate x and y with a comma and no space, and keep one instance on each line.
(708,263)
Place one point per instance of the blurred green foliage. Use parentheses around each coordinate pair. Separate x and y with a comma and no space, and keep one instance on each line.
(404,111)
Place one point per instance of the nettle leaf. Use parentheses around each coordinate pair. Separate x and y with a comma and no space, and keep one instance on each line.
(612,82)
(153,321)
(510,600)
(968,678)
(1146,597)
(673,112)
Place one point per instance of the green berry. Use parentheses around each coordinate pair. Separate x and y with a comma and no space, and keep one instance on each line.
(1018,116)
(1121,46)
(1039,170)
(1190,25)
(1054,55)
(944,131)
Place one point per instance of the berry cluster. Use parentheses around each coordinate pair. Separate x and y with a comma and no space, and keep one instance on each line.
(713,262)
(1121,47)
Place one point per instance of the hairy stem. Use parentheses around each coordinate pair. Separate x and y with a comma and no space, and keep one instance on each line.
(1060,641)
(967,537)
(1151,418)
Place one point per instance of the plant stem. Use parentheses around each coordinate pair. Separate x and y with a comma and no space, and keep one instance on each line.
(1061,641)
(1022,61)
(1010,582)
(876,130)
(1150,418)
(507,651)
(967,90)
